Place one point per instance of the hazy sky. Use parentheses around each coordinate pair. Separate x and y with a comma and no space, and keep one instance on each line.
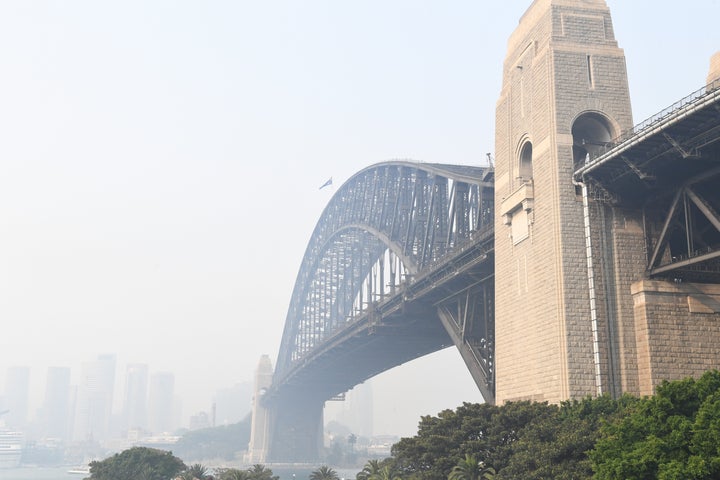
(160,162)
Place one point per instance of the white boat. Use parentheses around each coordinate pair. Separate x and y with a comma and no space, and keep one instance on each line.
(81,470)
(10,448)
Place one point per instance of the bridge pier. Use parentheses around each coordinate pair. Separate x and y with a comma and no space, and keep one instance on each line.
(296,427)
(259,432)
(681,315)
(564,95)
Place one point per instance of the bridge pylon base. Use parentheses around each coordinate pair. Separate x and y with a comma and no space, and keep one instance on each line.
(296,428)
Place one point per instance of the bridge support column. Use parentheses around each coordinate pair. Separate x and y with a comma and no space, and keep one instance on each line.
(468,319)
(296,428)
(681,315)
(257,449)
(564,96)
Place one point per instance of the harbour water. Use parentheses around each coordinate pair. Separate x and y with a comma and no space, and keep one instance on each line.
(61,473)
(38,473)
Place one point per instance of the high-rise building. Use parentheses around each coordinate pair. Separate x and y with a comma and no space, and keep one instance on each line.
(55,414)
(17,388)
(94,399)
(136,397)
(161,400)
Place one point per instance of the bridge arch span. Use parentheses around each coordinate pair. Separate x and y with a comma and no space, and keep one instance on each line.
(399,265)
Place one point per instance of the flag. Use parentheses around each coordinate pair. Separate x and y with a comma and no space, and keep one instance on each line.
(326,184)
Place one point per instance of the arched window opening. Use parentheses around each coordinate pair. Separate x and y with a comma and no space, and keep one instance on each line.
(525,170)
(592,134)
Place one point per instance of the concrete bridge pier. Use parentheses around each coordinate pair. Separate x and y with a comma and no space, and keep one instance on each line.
(296,427)
(286,428)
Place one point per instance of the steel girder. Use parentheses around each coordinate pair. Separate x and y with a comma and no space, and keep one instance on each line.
(384,229)
(668,166)
(686,246)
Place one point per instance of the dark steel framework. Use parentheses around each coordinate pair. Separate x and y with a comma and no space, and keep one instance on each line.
(399,265)
(669,166)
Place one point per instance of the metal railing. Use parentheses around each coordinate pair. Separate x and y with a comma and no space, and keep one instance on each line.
(649,122)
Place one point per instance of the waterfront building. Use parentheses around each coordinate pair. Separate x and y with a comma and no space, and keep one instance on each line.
(10,448)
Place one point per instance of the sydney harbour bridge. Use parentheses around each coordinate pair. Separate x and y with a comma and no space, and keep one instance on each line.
(400,265)
(403,261)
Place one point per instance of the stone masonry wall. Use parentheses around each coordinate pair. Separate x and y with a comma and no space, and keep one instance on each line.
(544,348)
(677,330)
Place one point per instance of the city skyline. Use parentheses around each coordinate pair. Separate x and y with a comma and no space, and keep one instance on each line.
(108,401)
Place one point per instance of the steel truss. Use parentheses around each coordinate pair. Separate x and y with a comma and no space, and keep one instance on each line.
(392,234)
(667,166)
(687,245)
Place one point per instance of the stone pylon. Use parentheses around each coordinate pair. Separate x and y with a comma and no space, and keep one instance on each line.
(714,72)
(259,432)
(564,96)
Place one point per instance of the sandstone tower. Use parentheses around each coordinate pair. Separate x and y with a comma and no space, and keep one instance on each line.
(564,93)
(258,447)
(714,73)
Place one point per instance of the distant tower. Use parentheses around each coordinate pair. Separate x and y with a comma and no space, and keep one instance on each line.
(56,406)
(136,397)
(162,399)
(93,405)
(564,95)
(17,388)
(258,447)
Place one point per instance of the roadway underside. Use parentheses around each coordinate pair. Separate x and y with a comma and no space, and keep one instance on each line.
(402,328)
(375,345)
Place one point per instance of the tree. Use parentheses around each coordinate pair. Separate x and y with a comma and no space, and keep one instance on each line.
(222,442)
(233,474)
(324,473)
(137,462)
(555,446)
(372,467)
(672,435)
(260,472)
(489,433)
(196,472)
(352,440)
(470,469)
(386,472)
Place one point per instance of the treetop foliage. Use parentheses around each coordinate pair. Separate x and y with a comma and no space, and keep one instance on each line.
(139,463)
(324,473)
(256,472)
(674,434)
(222,442)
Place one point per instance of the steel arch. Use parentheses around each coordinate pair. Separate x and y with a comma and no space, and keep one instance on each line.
(388,223)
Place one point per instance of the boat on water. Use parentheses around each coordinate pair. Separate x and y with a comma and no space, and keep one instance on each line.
(80,470)
(10,448)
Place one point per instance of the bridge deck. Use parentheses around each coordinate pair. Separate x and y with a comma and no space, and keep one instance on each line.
(670,148)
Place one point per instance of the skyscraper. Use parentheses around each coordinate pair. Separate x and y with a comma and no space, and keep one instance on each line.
(17,387)
(136,397)
(56,406)
(94,399)
(162,387)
